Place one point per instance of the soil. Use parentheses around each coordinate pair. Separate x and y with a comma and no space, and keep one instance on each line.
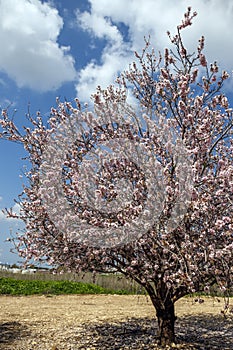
(108,322)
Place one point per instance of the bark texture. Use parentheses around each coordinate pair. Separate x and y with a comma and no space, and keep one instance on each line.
(166,323)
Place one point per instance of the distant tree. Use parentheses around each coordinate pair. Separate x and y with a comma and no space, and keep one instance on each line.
(171,229)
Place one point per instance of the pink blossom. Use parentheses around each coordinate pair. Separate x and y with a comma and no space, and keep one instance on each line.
(203,61)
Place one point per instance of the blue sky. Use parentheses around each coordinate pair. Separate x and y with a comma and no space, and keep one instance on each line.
(66,48)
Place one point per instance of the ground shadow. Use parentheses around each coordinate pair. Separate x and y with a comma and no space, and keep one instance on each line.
(131,334)
(10,331)
(206,331)
(200,332)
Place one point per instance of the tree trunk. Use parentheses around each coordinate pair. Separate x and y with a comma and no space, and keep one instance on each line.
(165,312)
(166,322)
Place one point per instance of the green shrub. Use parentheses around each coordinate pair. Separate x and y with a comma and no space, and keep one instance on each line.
(29,287)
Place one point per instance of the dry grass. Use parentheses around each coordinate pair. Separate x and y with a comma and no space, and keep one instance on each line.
(106,322)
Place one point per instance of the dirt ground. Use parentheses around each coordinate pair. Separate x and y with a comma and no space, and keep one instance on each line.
(106,322)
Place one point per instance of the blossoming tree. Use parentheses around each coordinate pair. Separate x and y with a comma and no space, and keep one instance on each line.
(146,190)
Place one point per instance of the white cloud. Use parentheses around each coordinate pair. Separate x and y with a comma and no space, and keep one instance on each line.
(112,62)
(98,25)
(142,18)
(30,53)
(115,55)
(5,219)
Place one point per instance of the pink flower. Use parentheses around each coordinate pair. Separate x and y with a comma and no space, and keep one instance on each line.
(203,61)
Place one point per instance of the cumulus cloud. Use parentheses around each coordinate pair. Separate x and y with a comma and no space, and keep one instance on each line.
(5,219)
(113,60)
(30,53)
(100,26)
(154,18)
(115,54)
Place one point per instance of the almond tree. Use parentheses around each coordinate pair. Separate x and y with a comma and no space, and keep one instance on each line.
(144,191)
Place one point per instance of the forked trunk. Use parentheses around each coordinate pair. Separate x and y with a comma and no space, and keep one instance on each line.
(166,323)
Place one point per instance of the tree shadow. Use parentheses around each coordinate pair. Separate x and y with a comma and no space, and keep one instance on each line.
(129,334)
(199,332)
(206,331)
(10,331)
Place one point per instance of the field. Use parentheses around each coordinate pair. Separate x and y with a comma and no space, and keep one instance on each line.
(11,286)
(108,281)
(35,317)
(107,322)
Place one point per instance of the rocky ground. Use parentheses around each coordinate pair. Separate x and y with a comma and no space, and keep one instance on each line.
(107,322)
